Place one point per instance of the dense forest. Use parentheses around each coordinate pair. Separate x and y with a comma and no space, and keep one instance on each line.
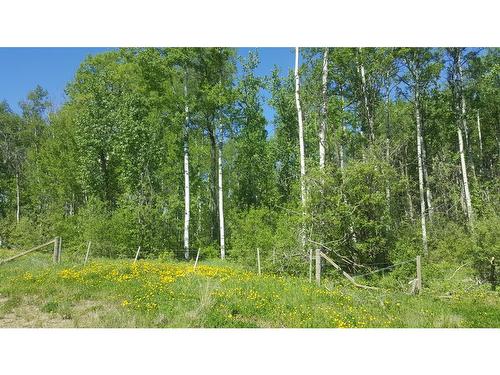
(375,155)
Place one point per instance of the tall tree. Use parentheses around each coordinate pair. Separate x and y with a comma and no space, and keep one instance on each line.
(252,164)
(421,67)
(186,172)
(324,111)
(14,146)
(456,79)
(365,93)
(301,143)
(216,67)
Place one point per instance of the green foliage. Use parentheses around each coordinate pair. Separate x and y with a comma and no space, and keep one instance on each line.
(108,166)
(352,213)
(24,234)
(487,250)
(251,230)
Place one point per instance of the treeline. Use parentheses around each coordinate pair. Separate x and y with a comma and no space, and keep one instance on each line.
(377,154)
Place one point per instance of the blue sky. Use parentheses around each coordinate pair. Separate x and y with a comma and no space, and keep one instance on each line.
(21,69)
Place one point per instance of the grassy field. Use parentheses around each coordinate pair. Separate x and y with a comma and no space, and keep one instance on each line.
(117,293)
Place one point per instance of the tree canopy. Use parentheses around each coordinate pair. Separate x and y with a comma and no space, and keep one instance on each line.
(412,145)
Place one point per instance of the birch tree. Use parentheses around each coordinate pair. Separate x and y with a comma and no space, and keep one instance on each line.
(216,68)
(324,112)
(421,69)
(480,138)
(428,193)
(366,99)
(420,167)
(457,84)
(301,143)
(221,196)
(186,170)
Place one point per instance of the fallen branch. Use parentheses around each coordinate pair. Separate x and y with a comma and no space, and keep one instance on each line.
(346,275)
(449,278)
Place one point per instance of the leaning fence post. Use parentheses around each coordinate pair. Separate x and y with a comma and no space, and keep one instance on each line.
(318,266)
(56,249)
(137,254)
(419,276)
(87,254)
(196,261)
(258,260)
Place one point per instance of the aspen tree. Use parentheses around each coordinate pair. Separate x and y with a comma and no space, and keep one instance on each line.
(18,199)
(186,173)
(420,170)
(221,197)
(461,126)
(324,112)
(364,90)
(301,143)
(479,135)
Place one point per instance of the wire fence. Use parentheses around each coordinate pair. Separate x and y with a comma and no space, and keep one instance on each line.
(386,268)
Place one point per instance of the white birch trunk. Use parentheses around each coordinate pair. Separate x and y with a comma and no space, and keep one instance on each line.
(221,199)
(462,197)
(18,199)
(465,181)
(463,121)
(186,176)
(301,144)
(198,228)
(428,194)
(323,125)
(369,117)
(420,173)
(324,113)
(479,135)
(462,102)
(341,142)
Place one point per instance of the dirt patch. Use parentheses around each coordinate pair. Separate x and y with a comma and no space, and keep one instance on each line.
(27,315)
(30,314)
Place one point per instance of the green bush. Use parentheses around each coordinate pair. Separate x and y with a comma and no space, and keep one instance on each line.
(23,235)
(251,230)
(487,249)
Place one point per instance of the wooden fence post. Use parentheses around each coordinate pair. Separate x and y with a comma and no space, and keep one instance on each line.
(418,288)
(87,254)
(318,266)
(56,249)
(59,250)
(258,260)
(196,261)
(310,265)
(137,254)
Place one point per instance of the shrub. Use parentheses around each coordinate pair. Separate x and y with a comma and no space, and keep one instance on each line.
(487,248)
(251,230)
